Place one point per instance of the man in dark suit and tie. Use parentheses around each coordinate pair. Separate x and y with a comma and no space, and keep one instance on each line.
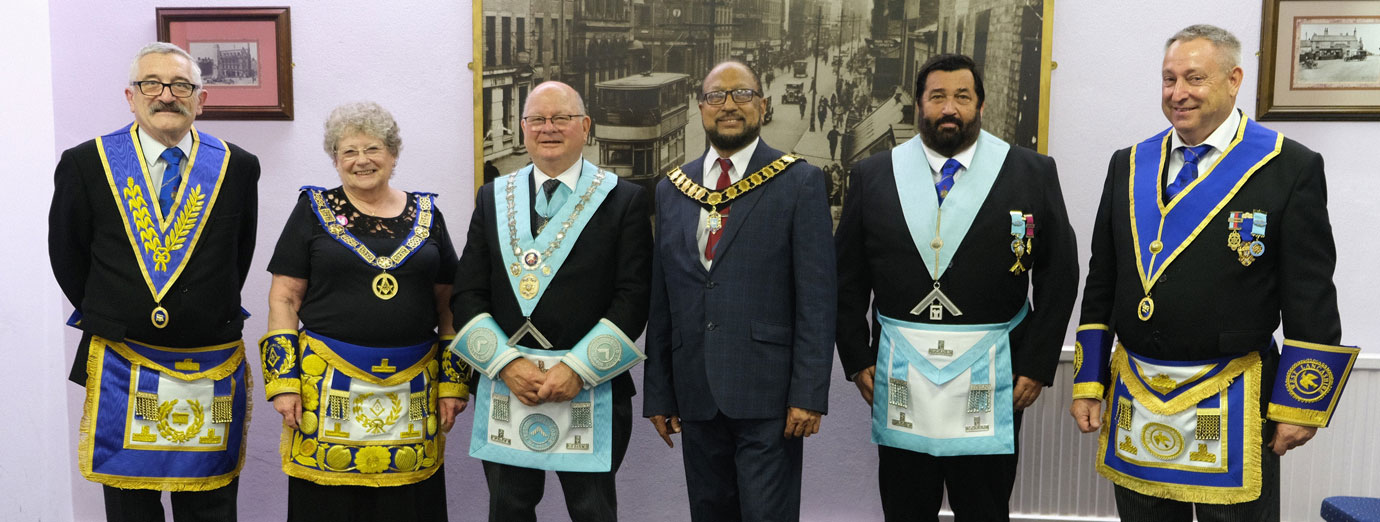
(740,334)
(151,235)
(1196,366)
(557,259)
(957,245)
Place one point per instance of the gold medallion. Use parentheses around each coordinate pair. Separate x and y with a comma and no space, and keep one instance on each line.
(385,286)
(159,317)
(714,222)
(937,243)
(1146,308)
(515,269)
(1233,240)
(1156,246)
(528,286)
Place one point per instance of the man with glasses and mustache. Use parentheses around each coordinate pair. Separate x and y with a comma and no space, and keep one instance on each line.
(942,239)
(739,340)
(550,291)
(151,235)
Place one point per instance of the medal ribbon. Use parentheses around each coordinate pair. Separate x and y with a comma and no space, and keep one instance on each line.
(1176,225)
(162,244)
(525,241)
(921,208)
(421,230)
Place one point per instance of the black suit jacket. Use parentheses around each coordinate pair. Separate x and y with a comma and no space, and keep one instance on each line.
(98,271)
(753,334)
(605,275)
(878,258)
(1207,304)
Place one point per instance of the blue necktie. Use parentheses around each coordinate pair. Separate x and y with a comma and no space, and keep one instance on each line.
(946,178)
(1189,171)
(172,178)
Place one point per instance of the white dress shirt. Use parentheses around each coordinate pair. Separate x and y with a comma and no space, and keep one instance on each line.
(936,161)
(1219,139)
(155,164)
(711,179)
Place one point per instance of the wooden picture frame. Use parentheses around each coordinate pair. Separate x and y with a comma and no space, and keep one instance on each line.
(1319,60)
(245,55)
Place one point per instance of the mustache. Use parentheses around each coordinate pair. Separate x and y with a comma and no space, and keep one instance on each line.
(158,106)
(948,119)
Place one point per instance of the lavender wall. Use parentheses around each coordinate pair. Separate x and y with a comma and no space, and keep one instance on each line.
(411,57)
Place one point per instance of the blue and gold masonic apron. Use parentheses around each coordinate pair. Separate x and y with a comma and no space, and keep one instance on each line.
(163,418)
(368,414)
(1187,431)
(566,436)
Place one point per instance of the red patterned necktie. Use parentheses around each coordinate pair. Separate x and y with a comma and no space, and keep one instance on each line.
(724,165)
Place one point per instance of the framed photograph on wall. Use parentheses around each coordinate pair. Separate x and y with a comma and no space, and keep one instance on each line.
(838,76)
(245,57)
(1319,60)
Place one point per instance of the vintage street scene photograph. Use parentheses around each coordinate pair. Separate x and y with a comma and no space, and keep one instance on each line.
(837,75)
(227,63)
(1333,53)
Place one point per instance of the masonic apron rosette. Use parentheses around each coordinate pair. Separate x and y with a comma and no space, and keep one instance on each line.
(565,436)
(944,390)
(164,418)
(368,414)
(1186,431)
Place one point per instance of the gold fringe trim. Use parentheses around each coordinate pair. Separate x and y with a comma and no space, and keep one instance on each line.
(375,480)
(343,366)
(87,440)
(1252,425)
(281,386)
(1298,416)
(455,390)
(1207,388)
(1088,390)
(220,371)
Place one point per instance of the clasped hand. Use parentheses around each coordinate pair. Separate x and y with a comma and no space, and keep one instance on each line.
(532,385)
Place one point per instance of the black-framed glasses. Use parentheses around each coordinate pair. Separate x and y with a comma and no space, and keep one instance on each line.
(559,120)
(719,97)
(155,88)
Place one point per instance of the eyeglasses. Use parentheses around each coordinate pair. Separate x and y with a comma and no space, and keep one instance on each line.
(374,152)
(155,88)
(719,97)
(559,120)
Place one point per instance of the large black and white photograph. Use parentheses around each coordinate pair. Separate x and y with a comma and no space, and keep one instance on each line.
(838,76)
(1333,53)
(227,63)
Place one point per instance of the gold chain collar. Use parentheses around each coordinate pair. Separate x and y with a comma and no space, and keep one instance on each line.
(714,198)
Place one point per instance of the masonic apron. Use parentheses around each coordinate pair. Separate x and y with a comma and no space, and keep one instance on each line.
(566,436)
(170,419)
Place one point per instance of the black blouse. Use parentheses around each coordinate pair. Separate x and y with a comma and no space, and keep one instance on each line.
(340,301)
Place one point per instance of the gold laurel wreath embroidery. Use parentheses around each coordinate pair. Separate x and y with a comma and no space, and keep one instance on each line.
(174,435)
(285,364)
(161,248)
(375,424)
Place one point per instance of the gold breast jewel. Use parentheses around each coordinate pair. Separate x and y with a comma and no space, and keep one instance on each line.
(1146,307)
(531,260)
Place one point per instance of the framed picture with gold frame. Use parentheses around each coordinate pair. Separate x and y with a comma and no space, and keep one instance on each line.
(838,78)
(245,57)
(1319,60)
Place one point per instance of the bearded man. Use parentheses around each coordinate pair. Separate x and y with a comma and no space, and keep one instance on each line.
(943,238)
(741,327)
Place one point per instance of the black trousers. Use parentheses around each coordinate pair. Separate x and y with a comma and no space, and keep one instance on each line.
(741,469)
(979,486)
(514,492)
(146,505)
(424,501)
(1138,507)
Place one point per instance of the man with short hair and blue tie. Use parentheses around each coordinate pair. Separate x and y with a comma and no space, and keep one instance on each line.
(1201,401)
(941,241)
(151,235)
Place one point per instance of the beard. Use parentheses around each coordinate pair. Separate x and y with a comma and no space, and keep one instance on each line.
(733,142)
(950,142)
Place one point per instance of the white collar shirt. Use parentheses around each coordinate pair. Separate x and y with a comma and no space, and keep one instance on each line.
(740,161)
(937,160)
(1220,139)
(156,165)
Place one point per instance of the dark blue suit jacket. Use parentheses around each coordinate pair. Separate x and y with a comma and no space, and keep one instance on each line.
(754,334)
